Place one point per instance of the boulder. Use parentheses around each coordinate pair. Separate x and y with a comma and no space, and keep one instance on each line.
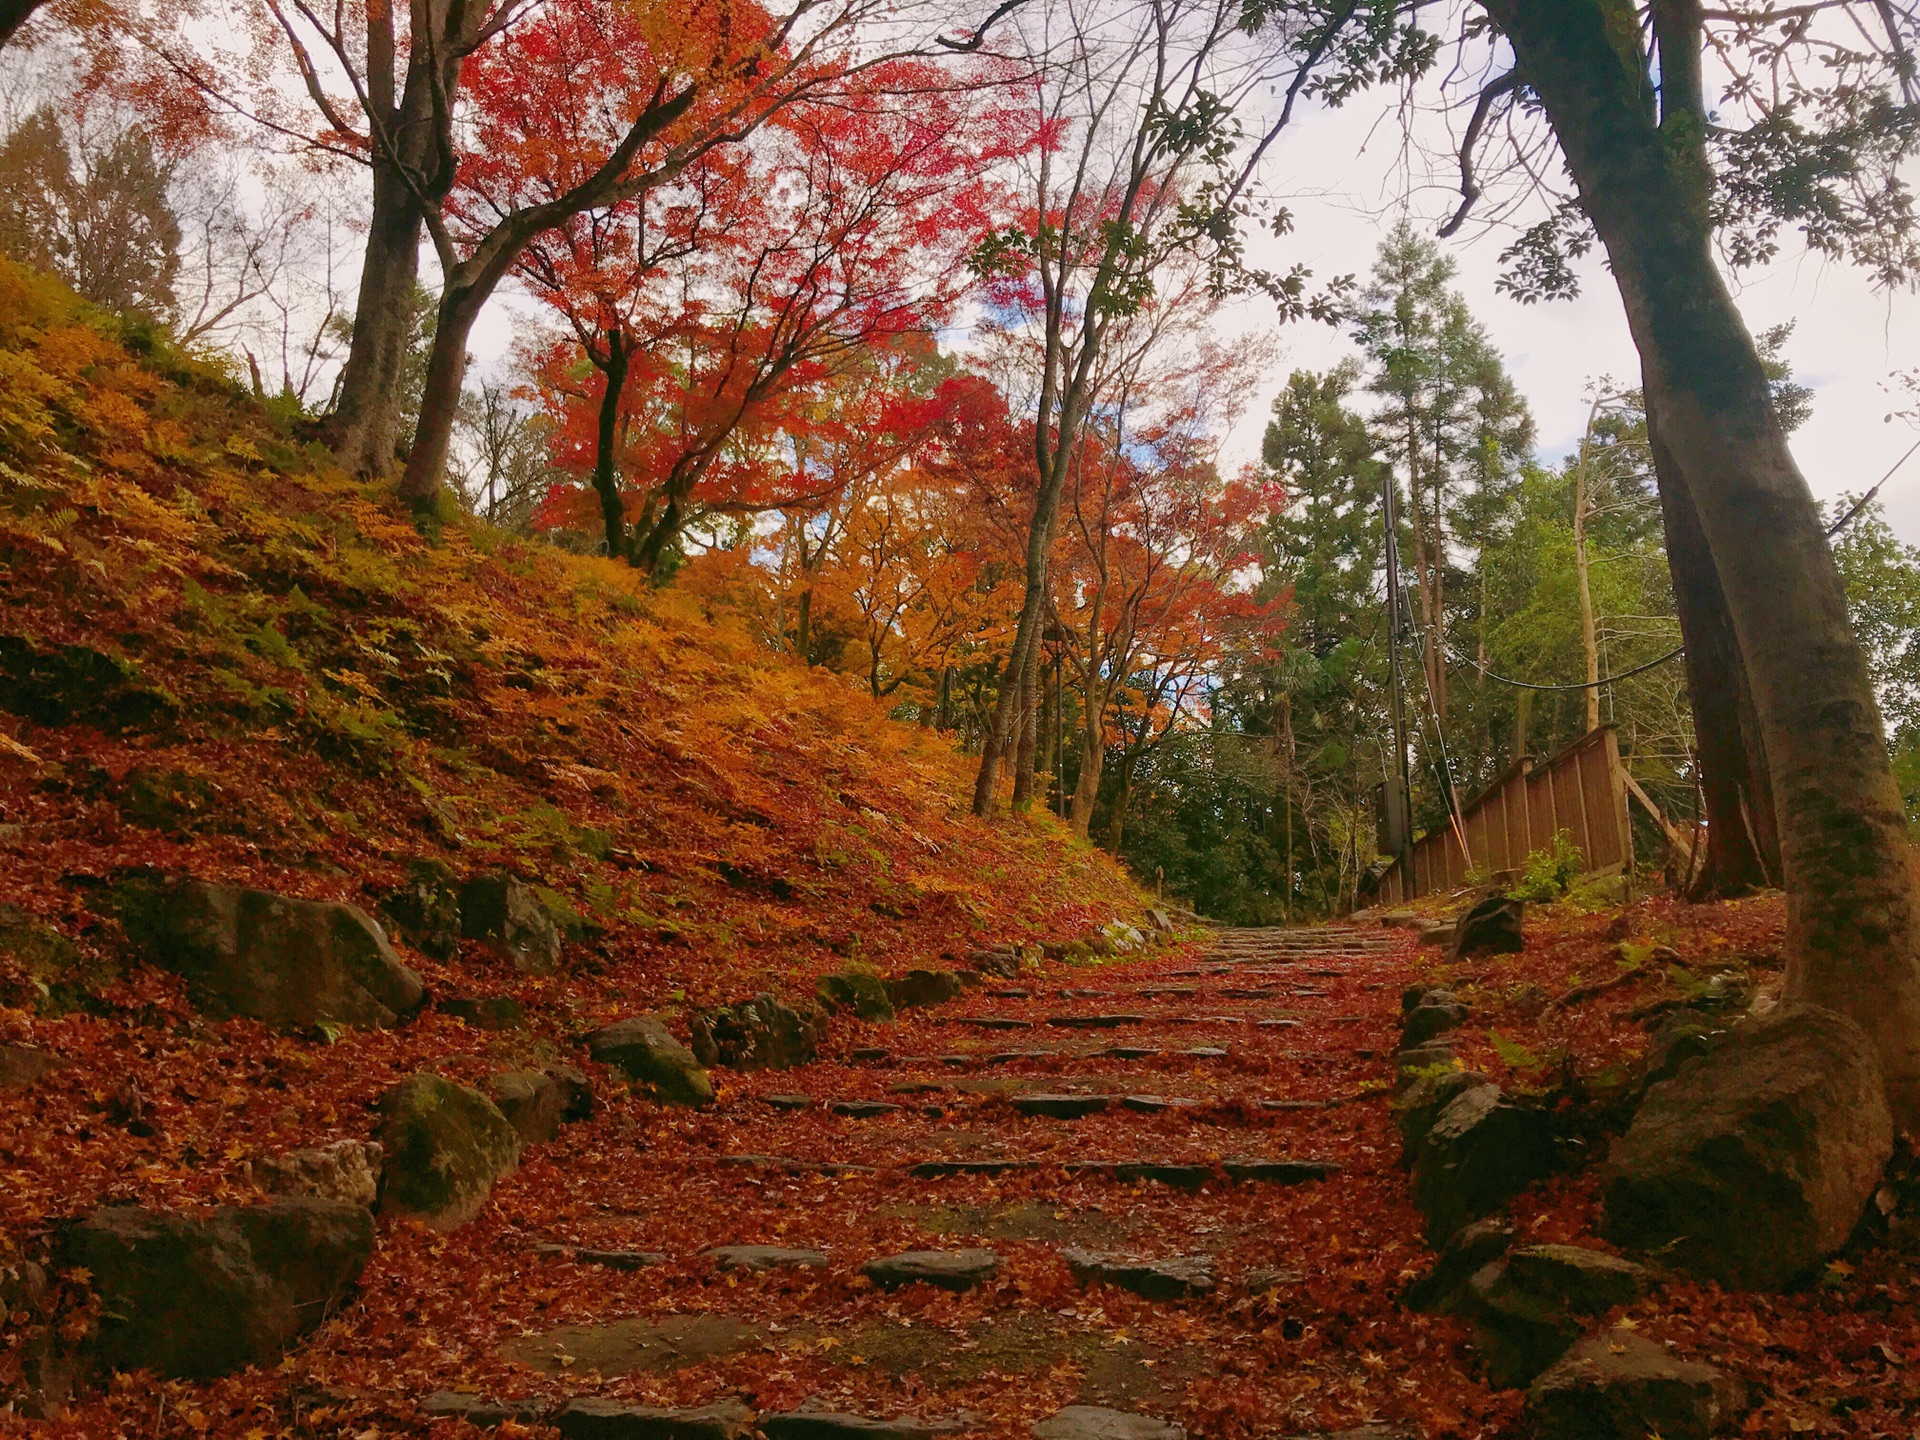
(446,1144)
(1422,1101)
(861,991)
(1091,1422)
(1480,1152)
(948,1269)
(502,910)
(642,1049)
(1528,1308)
(344,1170)
(1619,1385)
(24,1065)
(533,1102)
(924,987)
(1493,927)
(1468,1250)
(1002,964)
(757,1034)
(193,1297)
(1753,1163)
(425,910)
(594,1417)
(576,1091)
(1430,1019)
(294,964)
(485,1012)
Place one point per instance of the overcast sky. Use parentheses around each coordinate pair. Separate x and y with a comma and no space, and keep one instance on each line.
(1345,173)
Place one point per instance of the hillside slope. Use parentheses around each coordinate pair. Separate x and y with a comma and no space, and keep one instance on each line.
(218,656)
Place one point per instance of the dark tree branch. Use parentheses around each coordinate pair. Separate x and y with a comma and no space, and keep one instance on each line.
(1469,184)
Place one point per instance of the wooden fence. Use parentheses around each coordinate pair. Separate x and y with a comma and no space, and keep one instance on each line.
(1582,790)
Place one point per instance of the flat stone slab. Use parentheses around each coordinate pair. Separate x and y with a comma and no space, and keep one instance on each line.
(1279,1172)
(765,1257)
(1011,992)
(788,1166)
(596,1417)
(1091,1422)
(863,1109)
(874,1054)
(1128,1052)
(993,1022)
(1010,1057)
(1084,994)
(1157,1104)
(1061,1107)
(825,1425)
(1205,1052)
(944,1169)
(626,1347)
(1167,992)
(948,1269)
(1249,992)
(1095,1022)
(482,1413)
(1278,1024)
(606,1259)
(1185,1175)
(1171,1279)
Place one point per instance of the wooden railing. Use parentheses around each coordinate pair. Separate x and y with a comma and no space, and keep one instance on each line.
(1582,790)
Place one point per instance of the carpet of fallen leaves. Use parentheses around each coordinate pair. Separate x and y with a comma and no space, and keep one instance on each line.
(303,691)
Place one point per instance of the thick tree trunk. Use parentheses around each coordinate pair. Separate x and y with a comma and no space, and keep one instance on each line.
(1853,904)
(1023,759)
(606,473)
(363,431)
(1743,842)
(460,306)
(1122,795)
(1093,757)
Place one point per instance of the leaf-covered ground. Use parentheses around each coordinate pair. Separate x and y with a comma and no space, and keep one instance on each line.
(217,656)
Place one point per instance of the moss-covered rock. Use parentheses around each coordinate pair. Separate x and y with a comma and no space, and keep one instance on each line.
(446,1144)
(504,911)
(425,910)
(924,987)
(758,1034)
(59,977)
(642,1049)
(199,1296)
(294,964)
(856,989)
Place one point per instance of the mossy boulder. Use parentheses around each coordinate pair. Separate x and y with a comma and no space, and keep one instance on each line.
(59,977)
(757,1034)
(538,1102)
(642,1049)
(294,964)
(425,910)
(75,684)
(861,991)
(504,912)
(195,1296)
(924,987)
(446,1144)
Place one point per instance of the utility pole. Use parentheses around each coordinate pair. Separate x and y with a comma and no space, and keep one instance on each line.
(1399,783)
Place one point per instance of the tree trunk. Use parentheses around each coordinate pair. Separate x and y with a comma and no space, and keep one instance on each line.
(1853,903)
(606,474)
(1122,795)
(1023,760)
(363,430)
(1093,755)
(1743,842)
(1589,631)
(460,306)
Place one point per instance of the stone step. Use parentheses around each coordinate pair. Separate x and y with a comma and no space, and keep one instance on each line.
(1173,1279)
(605,1259)
(758,1258)
(1095,1022)
(955,1270)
